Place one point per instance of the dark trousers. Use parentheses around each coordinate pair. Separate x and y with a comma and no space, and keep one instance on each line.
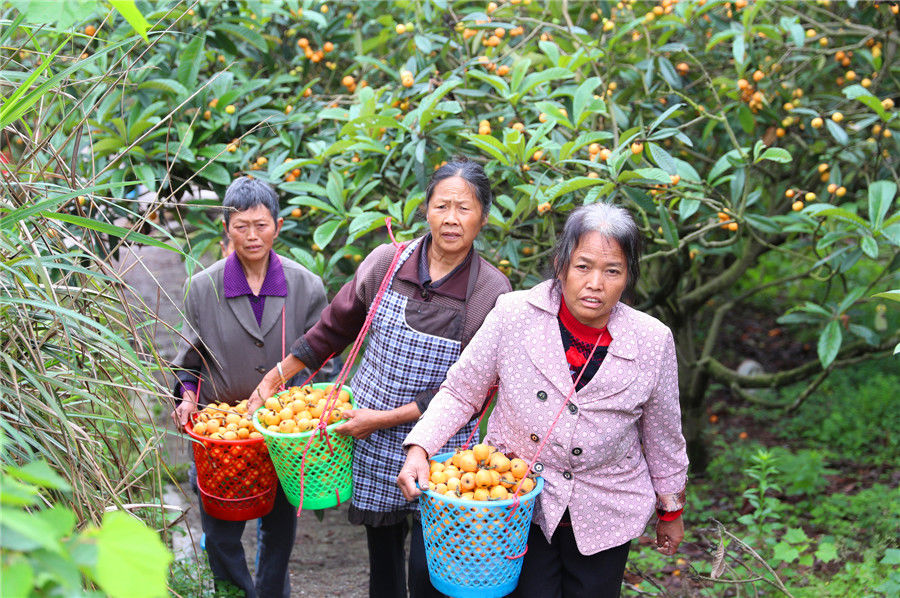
(387,562)
(275,534)
(556,569)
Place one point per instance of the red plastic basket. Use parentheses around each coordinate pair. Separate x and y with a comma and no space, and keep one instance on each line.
(236,478)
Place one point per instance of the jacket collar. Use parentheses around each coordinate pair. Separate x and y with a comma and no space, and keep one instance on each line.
(547,296)
(461,281)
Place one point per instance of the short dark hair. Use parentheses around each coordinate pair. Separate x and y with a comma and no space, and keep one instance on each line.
(611,221)
(472,173)
(248,192)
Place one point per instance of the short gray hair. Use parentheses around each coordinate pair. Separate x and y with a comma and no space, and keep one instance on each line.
(611,221)
(248,192)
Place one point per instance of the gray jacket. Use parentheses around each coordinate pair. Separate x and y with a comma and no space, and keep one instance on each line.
(222,341)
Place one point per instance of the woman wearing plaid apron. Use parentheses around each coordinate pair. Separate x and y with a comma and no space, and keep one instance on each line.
(440,292)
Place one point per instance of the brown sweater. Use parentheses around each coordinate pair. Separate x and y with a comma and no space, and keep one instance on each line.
(342,319)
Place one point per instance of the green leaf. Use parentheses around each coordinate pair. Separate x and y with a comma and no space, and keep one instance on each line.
(109,229)
(829,343)
(570,185)
(776,154)
(785,552)
(739,50)
(582,99)
(364,223)
(16,494)
(668,72)
(489,144)
(687,208)
(325,233)
(795,535)
(670,232)
(881,196)
(16,579)
(59,567)
(39,474)
(498,83)
(129,10)
(826,552)
(216,173)
(551,50)
(23,97)
(553,111)
(242,33)
(891,557)
(169,85)
(837,132)
(893,295)
(30,531)
(189,61)
(841,214)
(858,92)
(869,246)
(666,114)
(132,562)
(655,175)
(663,159)
(538,78)
(427,105)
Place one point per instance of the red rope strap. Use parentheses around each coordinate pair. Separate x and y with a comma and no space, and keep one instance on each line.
(283,352)
(331,400)
(518,556)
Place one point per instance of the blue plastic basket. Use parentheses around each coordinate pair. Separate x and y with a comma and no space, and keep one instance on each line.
(472,550)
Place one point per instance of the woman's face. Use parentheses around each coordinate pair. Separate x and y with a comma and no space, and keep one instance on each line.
(595,279)
(252,233)
(454,215)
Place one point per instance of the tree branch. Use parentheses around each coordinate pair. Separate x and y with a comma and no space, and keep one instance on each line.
(698,296)
(851,354)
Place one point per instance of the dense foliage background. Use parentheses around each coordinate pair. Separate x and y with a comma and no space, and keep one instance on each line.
(754,141)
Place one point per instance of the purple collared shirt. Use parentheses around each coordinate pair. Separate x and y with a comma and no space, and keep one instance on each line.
(235,283)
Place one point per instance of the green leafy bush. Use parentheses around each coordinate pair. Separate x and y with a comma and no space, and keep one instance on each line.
(44,554)
(853,416)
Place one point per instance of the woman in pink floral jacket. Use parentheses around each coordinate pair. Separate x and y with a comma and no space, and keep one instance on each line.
(616,455)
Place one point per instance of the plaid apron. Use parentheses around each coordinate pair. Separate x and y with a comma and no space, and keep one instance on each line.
(398,363)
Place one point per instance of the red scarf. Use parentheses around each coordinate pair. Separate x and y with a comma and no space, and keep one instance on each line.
(583,333)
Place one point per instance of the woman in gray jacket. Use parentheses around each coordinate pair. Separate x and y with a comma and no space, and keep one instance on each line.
(236,313)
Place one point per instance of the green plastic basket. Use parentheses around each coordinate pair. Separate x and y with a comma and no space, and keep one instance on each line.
(326,479)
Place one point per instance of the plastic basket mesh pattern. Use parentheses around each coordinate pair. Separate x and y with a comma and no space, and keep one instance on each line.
(326,476)
(236,478)
(467,543)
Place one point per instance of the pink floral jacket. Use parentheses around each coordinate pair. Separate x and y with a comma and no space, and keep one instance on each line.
(617,451)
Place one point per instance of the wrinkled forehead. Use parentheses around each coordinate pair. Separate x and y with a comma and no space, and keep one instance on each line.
(454,189)
(254,214)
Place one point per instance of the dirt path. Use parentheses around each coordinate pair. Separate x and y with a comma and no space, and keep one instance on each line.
(330,557)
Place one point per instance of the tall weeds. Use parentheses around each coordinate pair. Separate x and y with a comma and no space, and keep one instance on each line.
(79,383)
